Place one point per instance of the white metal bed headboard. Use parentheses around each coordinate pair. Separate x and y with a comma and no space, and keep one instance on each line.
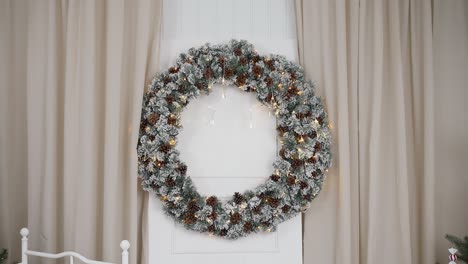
(124,245)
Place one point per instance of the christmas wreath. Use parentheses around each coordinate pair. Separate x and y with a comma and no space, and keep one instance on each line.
(302,127)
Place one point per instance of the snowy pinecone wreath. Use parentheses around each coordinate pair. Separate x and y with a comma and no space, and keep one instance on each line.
(302,127)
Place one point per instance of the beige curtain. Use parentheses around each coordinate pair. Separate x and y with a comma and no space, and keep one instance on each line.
(72,79)
(372,61)
(451,129)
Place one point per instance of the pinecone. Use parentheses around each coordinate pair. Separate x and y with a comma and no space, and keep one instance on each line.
(303,185)
(257,209)
(268,98)
(228,73)
(256,58)
(292,91)
(281,130)
(268,81)
(189,218)
(248,227)
(213,215)
(270,64)
(199,85)
(257,70)
(313,134)
(223,232)
(166,80)
(155,186)
(238,198)
(291,180)
(170,182)
(211,228)
(182,169)
(172,120)
(285,208)
(221,60)
(300,115)
(293,75)
(173,70)
(273,202)
(170,99)
(282,153)
(212,201)
(296,163)
(318,146)
(208,74)
(151,137)
(153,118)
(235,218)
(240,80)
(170,204)
(165,148)
(243,61)
(192,206)
(274,177)
(237,51)
(307,197)
(143,124)
(314,174)
(320,120)
(312,159)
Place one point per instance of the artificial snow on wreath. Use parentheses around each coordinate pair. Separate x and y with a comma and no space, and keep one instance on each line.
(302,126)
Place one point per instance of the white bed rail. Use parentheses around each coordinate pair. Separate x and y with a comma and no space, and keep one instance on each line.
(25,252)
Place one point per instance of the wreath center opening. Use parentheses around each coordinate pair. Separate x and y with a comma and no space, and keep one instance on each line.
(229,144)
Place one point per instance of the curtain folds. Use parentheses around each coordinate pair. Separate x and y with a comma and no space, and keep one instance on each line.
(75,89)
(372,61)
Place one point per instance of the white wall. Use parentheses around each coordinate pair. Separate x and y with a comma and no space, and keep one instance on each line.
(451,79)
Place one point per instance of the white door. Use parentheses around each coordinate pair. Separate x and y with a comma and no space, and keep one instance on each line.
(228,139)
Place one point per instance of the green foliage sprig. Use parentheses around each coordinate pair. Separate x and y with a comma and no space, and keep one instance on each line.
(3,256)
(461,245)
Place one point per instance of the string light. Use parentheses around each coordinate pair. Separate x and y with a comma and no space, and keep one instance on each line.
(172,142)
(301,139)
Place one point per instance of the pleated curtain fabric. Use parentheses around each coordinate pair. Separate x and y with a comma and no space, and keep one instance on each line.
(372,61)
(72,79)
